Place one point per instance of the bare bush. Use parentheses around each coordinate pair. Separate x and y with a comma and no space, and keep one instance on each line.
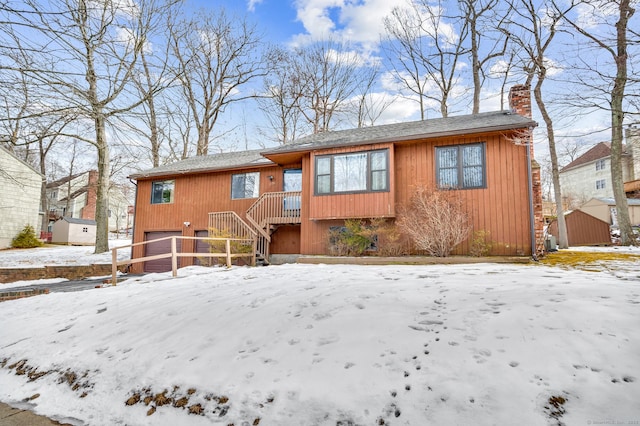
(435,221)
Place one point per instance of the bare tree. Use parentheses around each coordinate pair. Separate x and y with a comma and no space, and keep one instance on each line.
(486,24)
(368,104)
(612,38)
(424,50)
(280,100)
(217,56)
(310,88)
(534,32)
(83,54)
(328,76)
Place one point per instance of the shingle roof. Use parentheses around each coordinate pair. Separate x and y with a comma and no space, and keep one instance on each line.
(450,126)
(459,125)
(597,152)
(205,163)
(79,221)
(600,150)
(612,201)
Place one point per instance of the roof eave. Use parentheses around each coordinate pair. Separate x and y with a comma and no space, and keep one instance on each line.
(433,135)
(167,173)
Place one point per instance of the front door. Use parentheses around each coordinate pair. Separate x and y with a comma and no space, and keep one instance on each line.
(292,182)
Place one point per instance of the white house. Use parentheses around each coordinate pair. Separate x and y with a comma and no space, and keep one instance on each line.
(589,175)
(72,231)
(20,205)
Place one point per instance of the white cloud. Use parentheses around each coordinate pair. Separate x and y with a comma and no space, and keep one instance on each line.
(356,21)
(251,4)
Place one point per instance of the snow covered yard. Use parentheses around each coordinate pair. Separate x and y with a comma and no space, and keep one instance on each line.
(333,345)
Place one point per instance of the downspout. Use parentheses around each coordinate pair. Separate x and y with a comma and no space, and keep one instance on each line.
(133,226)
(532,228)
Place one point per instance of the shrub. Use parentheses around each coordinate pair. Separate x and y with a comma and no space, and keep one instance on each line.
(352,239)
(220,246)
(435,221)
(480,244)
(26,238)
(389,239)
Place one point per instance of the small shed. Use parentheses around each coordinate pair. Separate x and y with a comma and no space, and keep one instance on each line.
(72,231)
(602,208)
(583,229)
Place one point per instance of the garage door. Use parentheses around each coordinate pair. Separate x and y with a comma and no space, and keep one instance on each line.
(202,247)
(160,247)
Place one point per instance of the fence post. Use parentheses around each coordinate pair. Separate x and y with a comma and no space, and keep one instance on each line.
(174,257)
(114,265)
(228,248)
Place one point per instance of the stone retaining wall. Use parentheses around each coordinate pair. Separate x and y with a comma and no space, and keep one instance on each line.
(19,294)
(8,275)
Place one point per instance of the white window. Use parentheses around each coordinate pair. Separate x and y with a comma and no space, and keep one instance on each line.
(245,185)
(600,164)
(600,184)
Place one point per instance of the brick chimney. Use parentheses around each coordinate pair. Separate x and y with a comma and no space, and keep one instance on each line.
(520,100)
(89,210)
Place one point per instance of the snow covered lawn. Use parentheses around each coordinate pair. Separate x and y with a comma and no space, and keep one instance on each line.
(332,345)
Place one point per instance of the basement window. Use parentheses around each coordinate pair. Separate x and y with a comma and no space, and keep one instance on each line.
(162,192)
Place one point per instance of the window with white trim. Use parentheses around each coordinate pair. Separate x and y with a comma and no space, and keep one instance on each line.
(461,166)
(365,171)
(601,164)
(601,184)
(245,185)
(162,191)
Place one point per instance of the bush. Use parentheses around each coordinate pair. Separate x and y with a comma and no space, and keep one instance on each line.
(220,246)
(352,239)
(480,244)
(435,221)
(26,239)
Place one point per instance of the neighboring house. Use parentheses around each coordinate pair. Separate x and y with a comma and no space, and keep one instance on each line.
(20,205)
(292,196)
(72,231)
(75,196)
(605,209)
(589,175)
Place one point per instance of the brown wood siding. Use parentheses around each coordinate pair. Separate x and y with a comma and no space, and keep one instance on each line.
(286,240)
(501,208)
(195,196)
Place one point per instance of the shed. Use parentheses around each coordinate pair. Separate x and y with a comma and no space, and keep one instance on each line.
(603,207)
(72,231)
(584,229)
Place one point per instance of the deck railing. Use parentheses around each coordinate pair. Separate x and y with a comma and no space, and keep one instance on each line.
(174,254)
(275,208)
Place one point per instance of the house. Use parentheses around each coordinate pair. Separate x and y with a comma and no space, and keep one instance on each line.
(589,175)
(605,210)
(75,232)
(583,229)
(75,196)
(21,204)
(293,195)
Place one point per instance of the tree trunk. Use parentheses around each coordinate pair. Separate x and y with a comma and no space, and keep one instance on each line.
(102,199)
(617,117)
(563,240)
